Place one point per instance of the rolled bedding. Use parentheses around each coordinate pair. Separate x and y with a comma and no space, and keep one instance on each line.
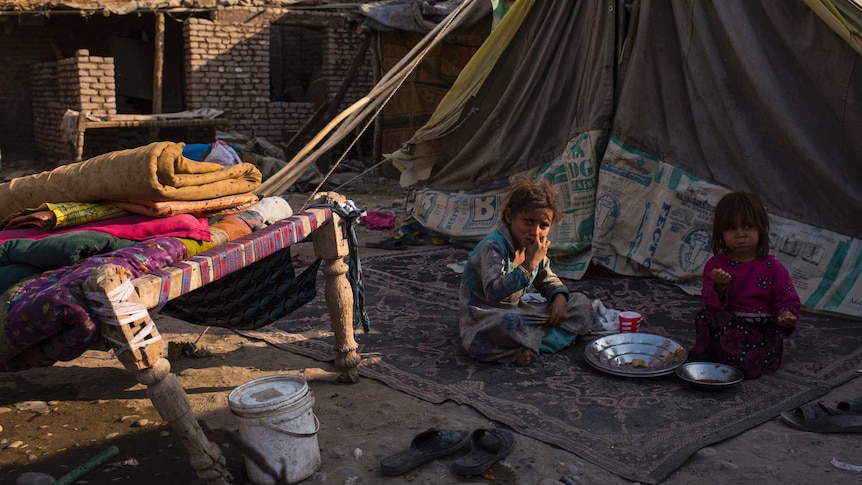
(154,172)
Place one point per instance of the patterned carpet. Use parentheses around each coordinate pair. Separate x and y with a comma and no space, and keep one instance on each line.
(638,428)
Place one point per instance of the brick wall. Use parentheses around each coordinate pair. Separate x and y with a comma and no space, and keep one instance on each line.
(48,109)
(80,83)
(228,67)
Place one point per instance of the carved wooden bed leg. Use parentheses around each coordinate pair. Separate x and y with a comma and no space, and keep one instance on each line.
(330,244)
(127,325)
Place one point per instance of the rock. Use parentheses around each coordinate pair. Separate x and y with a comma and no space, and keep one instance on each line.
(40,407)
(141,423)
(15,445)
(34,478)
(111,436)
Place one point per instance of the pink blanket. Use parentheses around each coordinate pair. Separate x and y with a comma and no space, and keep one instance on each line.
(136,228)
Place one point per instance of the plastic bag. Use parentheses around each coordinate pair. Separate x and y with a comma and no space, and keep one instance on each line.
(222,154)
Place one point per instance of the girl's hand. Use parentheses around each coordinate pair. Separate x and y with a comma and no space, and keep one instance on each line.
(786,320)
(535,253)
(720,276)
(557,310)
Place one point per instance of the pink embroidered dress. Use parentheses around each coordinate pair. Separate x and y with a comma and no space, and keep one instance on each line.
(740,329)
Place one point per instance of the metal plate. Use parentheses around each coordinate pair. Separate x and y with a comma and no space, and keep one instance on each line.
(635,354)
(709,376)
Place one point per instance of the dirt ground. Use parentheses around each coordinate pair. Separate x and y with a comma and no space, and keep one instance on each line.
(93,404)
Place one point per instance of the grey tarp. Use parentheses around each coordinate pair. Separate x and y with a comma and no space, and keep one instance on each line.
(554,80)
(695,99)
(756,95)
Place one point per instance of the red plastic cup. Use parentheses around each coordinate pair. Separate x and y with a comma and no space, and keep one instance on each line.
(630,322)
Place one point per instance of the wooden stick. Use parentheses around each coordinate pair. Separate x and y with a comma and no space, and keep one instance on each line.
(158,66)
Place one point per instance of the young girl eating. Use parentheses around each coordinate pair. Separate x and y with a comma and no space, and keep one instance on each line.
(496,324)
(750,303)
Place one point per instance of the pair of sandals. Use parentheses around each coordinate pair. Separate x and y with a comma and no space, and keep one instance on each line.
(845,417)
(486,447)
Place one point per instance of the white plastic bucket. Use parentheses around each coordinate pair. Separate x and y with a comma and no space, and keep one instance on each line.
(276,418)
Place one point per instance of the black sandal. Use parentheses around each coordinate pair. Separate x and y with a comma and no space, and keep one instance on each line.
(426,446)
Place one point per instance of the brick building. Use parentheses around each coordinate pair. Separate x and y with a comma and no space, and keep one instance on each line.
(268,67)
(271,65)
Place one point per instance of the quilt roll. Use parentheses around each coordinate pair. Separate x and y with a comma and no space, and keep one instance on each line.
(155,172)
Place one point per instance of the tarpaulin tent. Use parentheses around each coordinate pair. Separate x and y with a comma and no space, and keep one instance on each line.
(644,114)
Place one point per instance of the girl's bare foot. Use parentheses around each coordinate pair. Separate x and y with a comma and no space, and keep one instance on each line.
(524,359)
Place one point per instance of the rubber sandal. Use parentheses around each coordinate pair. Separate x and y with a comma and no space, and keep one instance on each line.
(819,418)
(426,446)
(487,446)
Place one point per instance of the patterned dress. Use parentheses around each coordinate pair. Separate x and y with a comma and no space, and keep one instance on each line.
(495,323)
(740,329)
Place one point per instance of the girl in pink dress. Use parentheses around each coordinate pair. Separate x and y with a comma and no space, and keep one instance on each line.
(750,303)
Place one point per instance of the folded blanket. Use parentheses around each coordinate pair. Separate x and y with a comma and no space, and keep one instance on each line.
(22,258)
(52,216)
(229,204)
(156,172)
(136,228)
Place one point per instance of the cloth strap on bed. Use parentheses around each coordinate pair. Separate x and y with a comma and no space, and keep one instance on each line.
(352,214)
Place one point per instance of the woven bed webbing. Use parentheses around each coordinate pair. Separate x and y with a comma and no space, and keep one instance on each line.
(245,281)
(250,298)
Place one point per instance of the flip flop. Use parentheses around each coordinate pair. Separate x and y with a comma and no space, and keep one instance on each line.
(487,446)
(819,418)
(426,446)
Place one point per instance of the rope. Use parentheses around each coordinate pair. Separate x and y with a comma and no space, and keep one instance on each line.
(446,26)
(390,83)
(113,308)
(360,175)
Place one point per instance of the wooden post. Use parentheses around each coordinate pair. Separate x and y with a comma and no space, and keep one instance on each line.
(330,244)
(81,127)
(158,68)
(127,325)
(158,62)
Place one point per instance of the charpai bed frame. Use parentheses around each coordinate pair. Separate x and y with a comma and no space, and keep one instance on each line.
(120,305)
(133,121)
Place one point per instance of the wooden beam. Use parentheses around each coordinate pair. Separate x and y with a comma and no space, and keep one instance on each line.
(159,62)
(158,67)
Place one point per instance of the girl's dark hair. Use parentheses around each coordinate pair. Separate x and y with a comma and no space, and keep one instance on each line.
(740,208)
(527,194)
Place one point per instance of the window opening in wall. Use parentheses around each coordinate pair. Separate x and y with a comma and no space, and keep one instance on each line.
(295,64)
